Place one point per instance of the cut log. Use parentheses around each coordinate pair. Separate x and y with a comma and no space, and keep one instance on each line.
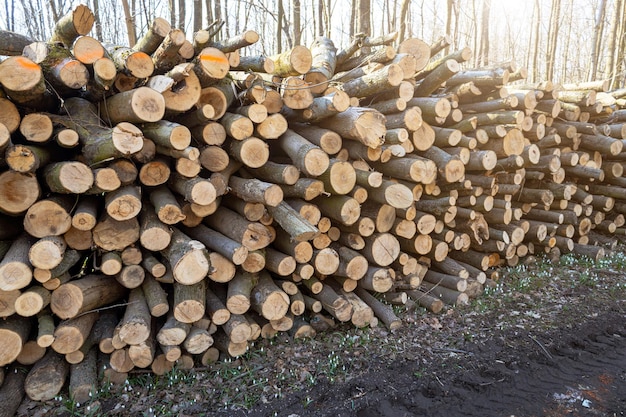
(14,333)
(269,300)
(15,268)
(47,377)
(187,257)
(359,123)
(71,334)
(308,157)
(84,294)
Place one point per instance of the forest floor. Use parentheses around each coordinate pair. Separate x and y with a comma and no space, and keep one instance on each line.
(549,340)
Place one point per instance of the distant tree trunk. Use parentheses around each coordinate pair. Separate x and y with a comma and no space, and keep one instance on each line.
(97,20)
(619,66)
(353,12)
(172,6)
(226,19)
(596,46)
(613,41)
(297,28)
(320,18)
(537,33)
(474,30)
(218,9)
(364,22)
(181,14)
(53,9)
(449,7)
(9,7)
(553,33)
(327,17)
(197,15)
(483,52)
(208,5)
(404,8)
(279,27)
(130,24)
(568,12)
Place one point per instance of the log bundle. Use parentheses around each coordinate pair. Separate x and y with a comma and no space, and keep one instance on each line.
(175,201)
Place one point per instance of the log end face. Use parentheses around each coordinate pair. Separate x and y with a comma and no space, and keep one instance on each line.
(274,307)
(350,212)
(74,74)
(214,63)
(316,162)
(192,268)
(140,65)
(20,74)
(65,301)
(18,192)
(76,177)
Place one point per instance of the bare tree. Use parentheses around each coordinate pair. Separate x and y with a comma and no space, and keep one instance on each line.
(565,58)
(537,34)
(483,51)
(197,15)
(172,8)
(97,21)
(596,45)
(279,27)
(297,26)
(404,9)
(208,5)
(553,32)
(613,41)
(130,23)
(181,14)
(353,13)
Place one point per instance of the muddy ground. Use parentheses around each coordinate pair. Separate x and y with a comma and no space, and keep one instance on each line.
(550,340)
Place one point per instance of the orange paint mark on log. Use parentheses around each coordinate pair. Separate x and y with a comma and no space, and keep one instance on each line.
(27,63)
(89,57)
(216,59)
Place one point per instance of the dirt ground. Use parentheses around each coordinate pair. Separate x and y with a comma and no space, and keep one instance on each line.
(550,340)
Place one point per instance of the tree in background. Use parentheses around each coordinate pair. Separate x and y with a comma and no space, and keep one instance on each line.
(564,41)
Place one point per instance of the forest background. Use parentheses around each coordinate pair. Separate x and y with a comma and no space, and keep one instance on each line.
(559,40)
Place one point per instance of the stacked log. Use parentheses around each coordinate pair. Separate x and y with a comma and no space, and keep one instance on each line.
(178,205)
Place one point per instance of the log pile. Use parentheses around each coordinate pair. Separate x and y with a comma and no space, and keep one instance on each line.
(175,201)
